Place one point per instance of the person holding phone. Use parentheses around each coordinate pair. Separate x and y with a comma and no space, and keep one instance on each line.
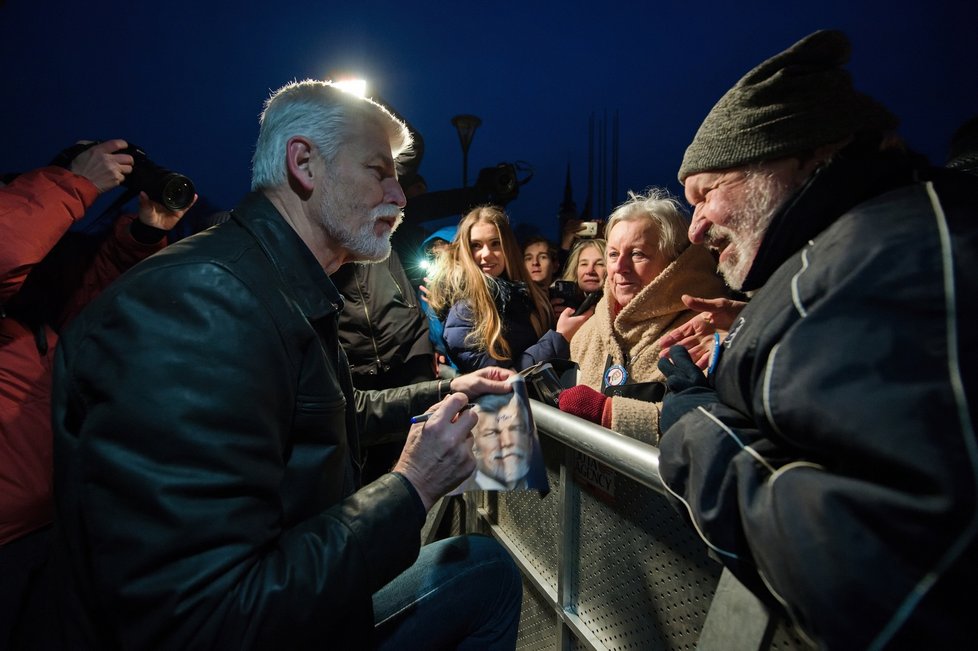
(584,274)
(494,314)
(650,265)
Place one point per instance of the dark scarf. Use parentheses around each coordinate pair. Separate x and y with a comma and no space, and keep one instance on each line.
(850,178)
(508,294)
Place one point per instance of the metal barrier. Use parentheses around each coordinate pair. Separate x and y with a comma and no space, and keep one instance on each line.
(607,562)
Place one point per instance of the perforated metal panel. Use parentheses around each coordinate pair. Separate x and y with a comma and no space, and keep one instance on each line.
(786,638)
(608,564)
(638,578)
(538,622)
(644,578)
(533,524)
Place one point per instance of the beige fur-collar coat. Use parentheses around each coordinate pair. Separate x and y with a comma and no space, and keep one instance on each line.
(630,338)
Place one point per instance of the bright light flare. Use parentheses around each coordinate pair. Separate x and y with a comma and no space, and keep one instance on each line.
(356,87)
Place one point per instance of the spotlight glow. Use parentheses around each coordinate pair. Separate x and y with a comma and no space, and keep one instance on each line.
(356,87)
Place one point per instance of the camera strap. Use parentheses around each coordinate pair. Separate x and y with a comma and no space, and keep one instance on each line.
(113,211)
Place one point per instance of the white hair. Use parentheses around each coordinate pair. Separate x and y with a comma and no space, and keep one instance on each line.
(664,211)
(325,114)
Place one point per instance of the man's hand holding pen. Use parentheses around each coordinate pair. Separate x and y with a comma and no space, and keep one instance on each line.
(437,455)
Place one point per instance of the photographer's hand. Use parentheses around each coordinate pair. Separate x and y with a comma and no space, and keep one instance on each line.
(100,165)
(157,216)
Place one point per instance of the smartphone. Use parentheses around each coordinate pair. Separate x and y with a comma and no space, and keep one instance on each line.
(567,290)
(588,229)
(589,301)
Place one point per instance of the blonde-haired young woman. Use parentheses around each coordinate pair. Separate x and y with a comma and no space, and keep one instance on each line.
(494,314)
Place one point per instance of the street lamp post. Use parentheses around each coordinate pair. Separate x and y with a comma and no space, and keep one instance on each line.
(466,126)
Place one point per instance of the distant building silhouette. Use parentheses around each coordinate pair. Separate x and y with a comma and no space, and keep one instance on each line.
(568,209)
(607,197)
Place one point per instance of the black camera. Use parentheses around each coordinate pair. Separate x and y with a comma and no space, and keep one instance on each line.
(171,189)
(545,380)
(499,182)
(567,290)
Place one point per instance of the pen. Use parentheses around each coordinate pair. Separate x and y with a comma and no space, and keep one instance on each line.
(715,356)
(420,418)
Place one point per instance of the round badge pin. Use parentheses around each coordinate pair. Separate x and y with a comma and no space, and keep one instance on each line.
(615,376)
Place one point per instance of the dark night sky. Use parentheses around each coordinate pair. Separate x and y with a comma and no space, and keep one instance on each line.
(186,79)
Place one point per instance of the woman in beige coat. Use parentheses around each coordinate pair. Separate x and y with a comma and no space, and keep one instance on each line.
(650,264)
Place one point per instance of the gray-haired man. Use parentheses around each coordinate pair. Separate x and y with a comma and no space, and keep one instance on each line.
(206,430)
(830,459)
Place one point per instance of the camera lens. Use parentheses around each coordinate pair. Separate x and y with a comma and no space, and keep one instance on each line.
(505,181)
(177,191)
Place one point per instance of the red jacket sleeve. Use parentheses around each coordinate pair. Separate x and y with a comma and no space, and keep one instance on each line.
(36,209)
(115,254)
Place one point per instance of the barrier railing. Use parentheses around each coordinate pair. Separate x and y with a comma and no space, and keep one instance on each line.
(607,562)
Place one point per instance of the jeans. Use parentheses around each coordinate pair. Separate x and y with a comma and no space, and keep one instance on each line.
(461,593)
(21,584)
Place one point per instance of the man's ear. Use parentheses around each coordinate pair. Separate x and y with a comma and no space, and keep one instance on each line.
(819,157)
(298,160)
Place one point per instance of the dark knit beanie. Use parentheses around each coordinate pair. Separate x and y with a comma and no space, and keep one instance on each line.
(794,102)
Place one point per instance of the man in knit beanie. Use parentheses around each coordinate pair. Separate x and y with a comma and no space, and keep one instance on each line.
(791,112)
(829,457)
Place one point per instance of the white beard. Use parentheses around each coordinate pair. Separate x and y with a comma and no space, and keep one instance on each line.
(745,230)
(358,236)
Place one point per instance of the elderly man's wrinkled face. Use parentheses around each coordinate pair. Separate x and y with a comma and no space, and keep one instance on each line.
(634,259)
(502,444)
(732,210)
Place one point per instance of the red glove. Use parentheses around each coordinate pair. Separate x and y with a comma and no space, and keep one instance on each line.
(584,402)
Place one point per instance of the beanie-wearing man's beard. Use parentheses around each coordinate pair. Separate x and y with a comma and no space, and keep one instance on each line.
(356,232)
(740,238)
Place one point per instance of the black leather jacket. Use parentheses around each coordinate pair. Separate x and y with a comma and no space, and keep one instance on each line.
(836,472)
(204,429)
(382,328)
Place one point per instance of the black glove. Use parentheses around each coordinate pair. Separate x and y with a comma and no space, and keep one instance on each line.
(688,387)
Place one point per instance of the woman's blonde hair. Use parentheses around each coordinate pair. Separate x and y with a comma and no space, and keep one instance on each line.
(457,277)
(570,269)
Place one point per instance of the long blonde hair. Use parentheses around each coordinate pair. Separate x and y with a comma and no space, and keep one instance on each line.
(458,277)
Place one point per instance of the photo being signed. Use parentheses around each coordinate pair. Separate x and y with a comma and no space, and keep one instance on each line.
(505,444)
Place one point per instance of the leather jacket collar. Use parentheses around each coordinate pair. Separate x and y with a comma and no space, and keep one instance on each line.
(297,266)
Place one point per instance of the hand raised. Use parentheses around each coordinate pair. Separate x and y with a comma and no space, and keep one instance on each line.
(696,335)
(568,324)
(722,311)
(157,215)
(102,166)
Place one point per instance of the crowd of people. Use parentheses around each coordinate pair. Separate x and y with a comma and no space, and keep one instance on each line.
(215,448)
